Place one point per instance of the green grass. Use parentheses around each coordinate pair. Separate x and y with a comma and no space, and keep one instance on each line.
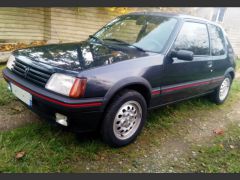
(5,96)
(238,65)
(47,149)
(222,156)
(167,116)
(2,67)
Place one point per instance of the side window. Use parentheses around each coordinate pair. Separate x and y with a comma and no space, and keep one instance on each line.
(193,37)
(217,41)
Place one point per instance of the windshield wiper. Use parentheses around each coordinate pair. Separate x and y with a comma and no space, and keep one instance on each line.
(96,38)
(102,42)
(140,49)
(116,40)
(120,42)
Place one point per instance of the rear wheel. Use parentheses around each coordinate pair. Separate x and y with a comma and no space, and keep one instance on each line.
(221,93)
(124,118)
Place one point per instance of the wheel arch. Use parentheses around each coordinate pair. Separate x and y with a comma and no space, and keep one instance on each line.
(230,71)
(135,83)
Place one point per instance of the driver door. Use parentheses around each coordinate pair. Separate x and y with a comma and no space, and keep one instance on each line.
(184,79)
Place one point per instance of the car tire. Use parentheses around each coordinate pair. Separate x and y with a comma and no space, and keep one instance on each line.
(124,118)
(221,93)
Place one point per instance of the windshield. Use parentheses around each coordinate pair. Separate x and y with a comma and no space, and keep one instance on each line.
(146,32)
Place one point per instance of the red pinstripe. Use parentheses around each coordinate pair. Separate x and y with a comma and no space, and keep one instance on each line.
(156,92)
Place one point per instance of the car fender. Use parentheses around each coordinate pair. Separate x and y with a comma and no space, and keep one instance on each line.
(124,83)
(230,70)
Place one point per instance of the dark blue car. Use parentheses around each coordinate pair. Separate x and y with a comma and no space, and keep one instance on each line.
(136,62)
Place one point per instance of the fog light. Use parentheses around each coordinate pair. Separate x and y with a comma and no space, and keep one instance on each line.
(9,87)
(61,119)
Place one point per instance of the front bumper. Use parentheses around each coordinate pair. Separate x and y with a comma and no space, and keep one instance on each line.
(83,114)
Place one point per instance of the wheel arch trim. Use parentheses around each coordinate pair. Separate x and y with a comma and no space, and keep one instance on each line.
(229,71)
(126,82)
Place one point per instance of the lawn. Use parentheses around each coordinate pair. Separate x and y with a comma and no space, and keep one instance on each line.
(222,156)
(6,96)
(48,149)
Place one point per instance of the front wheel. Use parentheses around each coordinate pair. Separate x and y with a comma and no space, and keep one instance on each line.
(221,93)
(124,118)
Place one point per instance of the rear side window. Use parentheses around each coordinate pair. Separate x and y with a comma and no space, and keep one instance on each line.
(193,37)
(217,41)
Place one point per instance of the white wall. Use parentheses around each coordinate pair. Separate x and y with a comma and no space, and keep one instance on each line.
(231,24)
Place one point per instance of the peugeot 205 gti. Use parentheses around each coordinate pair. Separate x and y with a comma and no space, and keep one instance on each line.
(137,62)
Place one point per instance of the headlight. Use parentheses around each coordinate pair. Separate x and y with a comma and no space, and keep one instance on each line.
(67,85)
(11,62)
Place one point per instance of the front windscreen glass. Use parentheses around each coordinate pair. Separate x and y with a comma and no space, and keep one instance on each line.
(150,33)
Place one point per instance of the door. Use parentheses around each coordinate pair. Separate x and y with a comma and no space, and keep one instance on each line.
(184,79)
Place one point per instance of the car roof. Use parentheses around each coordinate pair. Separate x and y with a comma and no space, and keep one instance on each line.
(179,16)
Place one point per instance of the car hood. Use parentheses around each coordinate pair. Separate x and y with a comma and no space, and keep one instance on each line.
(79,56)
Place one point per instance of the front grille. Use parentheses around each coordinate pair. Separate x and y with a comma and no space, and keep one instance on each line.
(33,74)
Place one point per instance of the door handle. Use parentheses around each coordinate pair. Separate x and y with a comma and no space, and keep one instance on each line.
(210,64)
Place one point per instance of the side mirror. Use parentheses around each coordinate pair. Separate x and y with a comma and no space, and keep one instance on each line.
(183,55)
